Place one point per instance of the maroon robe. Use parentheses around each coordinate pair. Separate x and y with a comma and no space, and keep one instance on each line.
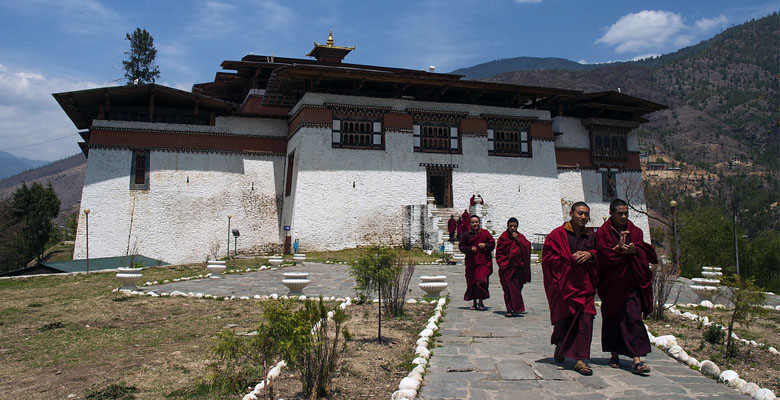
(513,257)
(464,223)
(479,264)
(625,289)
(570,288)
(452,226)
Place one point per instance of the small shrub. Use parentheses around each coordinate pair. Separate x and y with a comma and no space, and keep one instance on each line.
(714,334)
(52,326)
(35,305)
(114,391)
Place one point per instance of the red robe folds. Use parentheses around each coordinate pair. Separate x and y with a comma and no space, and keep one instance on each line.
(621,275)
(625,289)
(464,223)
(570,289)
(479,264)
(569,286)
(513,257)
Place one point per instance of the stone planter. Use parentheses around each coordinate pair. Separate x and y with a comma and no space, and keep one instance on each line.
(216,268)
(129,277)
(299,259)
(433,285)
(295,281)
(458,258)
(275,261)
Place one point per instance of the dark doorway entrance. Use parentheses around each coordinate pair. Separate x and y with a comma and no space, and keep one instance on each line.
(440,186)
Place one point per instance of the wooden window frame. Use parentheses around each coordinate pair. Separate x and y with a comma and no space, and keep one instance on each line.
(354,133)
(498,146)
(139,167)
(449,134)
(289,174)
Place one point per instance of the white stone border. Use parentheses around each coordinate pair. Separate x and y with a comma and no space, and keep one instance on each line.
(669,344)
(407,389)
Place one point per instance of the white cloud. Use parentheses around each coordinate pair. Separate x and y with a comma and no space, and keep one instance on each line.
(645,56)
(528,1)
(29,114)
(656,30)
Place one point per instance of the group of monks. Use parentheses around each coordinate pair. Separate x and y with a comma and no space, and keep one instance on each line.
(577,262)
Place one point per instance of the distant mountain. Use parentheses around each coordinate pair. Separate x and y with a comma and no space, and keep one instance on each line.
(66,177)
(492,68)
(723,94)
(12,165)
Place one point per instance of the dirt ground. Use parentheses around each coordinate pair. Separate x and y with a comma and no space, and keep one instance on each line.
(68,335)
(752,364)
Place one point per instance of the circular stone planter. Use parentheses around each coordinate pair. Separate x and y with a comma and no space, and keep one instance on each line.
(299,259)
(275,261)
(295,281)
(433,285)
(216,268)
(129,277)
(459,258)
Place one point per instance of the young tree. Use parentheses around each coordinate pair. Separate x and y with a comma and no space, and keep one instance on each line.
(373,271)
(34,208)
(746,298)
(139,66)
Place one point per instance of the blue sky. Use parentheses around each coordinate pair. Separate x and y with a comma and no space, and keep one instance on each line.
(60,45)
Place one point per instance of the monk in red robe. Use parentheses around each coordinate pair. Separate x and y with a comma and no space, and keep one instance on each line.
(452,226)
(625,287)
(513,256)
(477,244)
(569,271)
(464,223)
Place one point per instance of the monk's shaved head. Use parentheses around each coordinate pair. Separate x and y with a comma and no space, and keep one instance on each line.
(617,203)
(579,204)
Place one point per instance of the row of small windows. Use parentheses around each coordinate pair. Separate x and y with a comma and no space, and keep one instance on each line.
(610,142)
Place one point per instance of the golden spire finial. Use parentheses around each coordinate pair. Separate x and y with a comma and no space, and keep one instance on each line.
(330,38)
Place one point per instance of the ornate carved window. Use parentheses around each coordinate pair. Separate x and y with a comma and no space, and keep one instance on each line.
(436,138)
(509,143)
(139,170)
(358,134)
(609,146)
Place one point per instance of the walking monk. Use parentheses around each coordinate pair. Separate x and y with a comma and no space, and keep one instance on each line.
(569,271)
(513,256)
(625,287)
(477,244)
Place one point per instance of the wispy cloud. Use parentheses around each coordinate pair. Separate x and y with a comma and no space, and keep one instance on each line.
(29,114)
(528,1)
(656,30)
(214,20)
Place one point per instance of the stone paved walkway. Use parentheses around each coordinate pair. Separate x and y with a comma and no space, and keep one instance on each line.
(484,355)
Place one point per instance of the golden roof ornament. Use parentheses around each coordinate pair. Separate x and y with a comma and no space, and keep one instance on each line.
(330,38)
(329,50)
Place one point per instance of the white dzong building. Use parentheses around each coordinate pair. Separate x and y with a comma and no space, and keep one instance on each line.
(337,155)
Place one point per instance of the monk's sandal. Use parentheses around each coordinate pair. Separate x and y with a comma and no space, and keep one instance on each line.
(614,362)
(583,368)
(640,368)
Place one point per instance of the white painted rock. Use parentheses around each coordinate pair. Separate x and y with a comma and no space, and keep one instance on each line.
(443,301)
(675,351)
(256,297)
(705,321)
(706,303)
(764,394)
(709,368)
(426,332)
(753,343)
(750,389)
(420,368)
(692,361)
(343,306)
(432,326)
(420,361)
(423,341)
(728,377)
(406,394)
(409,383)
(773,350)
(423,352)
(683,356)
(274,296)
(302,297)
(411,301)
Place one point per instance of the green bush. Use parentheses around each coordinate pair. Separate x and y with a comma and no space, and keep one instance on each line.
(714,334)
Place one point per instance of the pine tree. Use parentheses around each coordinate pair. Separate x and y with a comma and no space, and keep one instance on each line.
(140,67)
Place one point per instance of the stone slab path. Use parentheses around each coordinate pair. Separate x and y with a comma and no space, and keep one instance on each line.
(484,355)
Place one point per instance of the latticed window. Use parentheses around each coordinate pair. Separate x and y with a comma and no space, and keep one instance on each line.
(436,139)
(511,143)
(358,134)
(609,146)
(139,170)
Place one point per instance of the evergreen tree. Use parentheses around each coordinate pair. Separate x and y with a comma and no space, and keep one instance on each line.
(34,208)
(140,67)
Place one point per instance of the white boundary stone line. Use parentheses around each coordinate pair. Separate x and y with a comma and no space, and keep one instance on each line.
(669,344)
(407,389)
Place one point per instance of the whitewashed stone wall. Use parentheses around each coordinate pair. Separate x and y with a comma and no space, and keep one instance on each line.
(573,134)
(349,197)
(176,220)
(585,185)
